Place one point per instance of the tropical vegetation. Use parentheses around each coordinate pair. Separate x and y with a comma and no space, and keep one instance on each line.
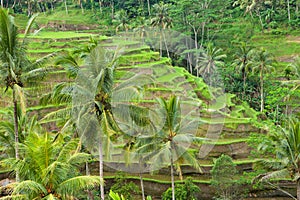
(162,90)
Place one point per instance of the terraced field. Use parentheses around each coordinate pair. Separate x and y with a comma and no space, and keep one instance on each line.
(225,121)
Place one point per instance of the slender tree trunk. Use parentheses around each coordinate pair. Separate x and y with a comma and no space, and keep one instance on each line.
(298,189)
(87,172)
(16,125)
(112,9)
(142,186)
(166,45)
(141,180)
(160,44)
(202,33)
(82,10)
(2,3)
(14,4)
(172,173)
(100,150)
(261,91)
(244,83)
(149,11)
(180,173)
(288,10)
(100,6)
(66,7)
(261,22)
(52,6)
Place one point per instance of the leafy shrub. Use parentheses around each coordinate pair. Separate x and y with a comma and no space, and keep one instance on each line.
(273,25)
(224,180)
(185,191)
(122,186)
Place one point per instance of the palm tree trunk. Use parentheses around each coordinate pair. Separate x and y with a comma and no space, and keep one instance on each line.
(261,91)
(202,33)
(180,173)
(166,45)
(100,150)
(298,189)
(87,172)
(160,44)
(142,186)
(288,10)
(149,11)
(82,10)
(66,7)
(244,83)
(100,6)
(16,125)
(172,174)
(112,9)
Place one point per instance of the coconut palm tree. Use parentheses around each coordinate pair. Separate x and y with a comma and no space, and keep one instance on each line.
(15,67)
(161,20)
(242,58)
(261,62)
(288,156)
(7,134)
(122,20)
(169,145)
(97,101)
(209,62)
(49,168)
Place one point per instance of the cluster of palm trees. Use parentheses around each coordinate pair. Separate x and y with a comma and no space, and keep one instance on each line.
(46,164)
(285,165)
(256,61)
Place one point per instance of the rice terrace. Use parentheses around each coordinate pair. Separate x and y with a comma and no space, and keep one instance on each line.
(149,100)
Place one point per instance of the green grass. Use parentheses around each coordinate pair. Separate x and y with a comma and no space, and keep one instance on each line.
(227,141)
(226,121)
(59,35)
(74,17)
(162,179)
(278,45)
(143,57)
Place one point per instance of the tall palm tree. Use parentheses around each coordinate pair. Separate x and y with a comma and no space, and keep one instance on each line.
(15,67)
(261,62)
(162,20)
(288,156)
(168,145)
(49,168)
(242,58)
(97,101)
(209,62)
(122,20)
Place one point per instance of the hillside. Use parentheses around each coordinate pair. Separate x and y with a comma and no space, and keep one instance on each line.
(229,114)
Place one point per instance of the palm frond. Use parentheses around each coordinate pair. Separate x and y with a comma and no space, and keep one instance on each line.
(67,149)
(280,174)
(73,185)
(37,73)
(50,197)
(79,158)
(63,113)
(28,26)
(30,188)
